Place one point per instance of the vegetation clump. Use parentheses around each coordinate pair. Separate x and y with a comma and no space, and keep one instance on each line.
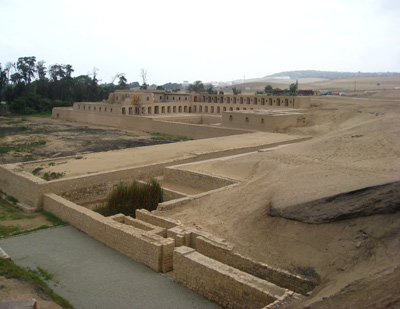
(126,199)
(52,176)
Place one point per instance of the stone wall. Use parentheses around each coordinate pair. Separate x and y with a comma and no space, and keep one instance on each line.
(220,283)
(141,244)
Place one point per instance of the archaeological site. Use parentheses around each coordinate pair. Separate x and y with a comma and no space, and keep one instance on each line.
(270,202)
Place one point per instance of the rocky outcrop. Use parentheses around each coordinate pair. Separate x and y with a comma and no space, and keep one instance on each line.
(382,199)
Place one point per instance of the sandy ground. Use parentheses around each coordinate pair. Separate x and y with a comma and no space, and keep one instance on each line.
(355,144)
(112,160)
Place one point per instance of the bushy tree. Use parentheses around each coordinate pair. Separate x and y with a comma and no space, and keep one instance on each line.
(3,80)
(122,82)
(236,91)
(293,88)
(197,87)
(29,86)
(268,88)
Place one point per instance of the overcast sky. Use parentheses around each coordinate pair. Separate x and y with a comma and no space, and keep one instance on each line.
(203,40)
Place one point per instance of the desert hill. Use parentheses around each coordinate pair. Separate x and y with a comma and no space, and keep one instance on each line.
(359,87)
(330,74)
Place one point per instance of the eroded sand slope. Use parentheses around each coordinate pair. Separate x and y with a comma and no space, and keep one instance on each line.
(355,144)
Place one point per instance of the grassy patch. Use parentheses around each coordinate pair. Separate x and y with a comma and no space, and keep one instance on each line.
(23,128)
(37,170)
(41,273)
(162,137)
(10,270)
(88,130)
(52,218)
(35,229)
(5,149)
(8,212)
(52,176)
(12,200)
(43,115)
(7,230)
(21,147)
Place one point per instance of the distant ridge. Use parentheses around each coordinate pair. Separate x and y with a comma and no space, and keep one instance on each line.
(328,74)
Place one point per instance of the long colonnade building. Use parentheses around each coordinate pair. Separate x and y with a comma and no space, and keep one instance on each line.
(150,102)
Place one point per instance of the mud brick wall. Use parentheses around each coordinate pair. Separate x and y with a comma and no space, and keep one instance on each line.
(222,284)
(223,253)
(146,216)
(145,247)
(195,180)
(14,181)
(193,131)
(88,194)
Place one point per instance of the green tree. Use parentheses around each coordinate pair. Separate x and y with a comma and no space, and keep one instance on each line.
(3,80)
(134,85)
(267,88)
(41,70)
(122,82)
(172,86)
(197,87)
(236,91)
(42,83)
(293,88)
(26,68)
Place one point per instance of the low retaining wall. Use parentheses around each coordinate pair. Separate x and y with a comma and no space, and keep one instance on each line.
(138,243)
(224,254)
(194,131)
(222,284)
(27,188)
(79,189)
(210,267)
(146,216)
(196,180)
(222,251)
